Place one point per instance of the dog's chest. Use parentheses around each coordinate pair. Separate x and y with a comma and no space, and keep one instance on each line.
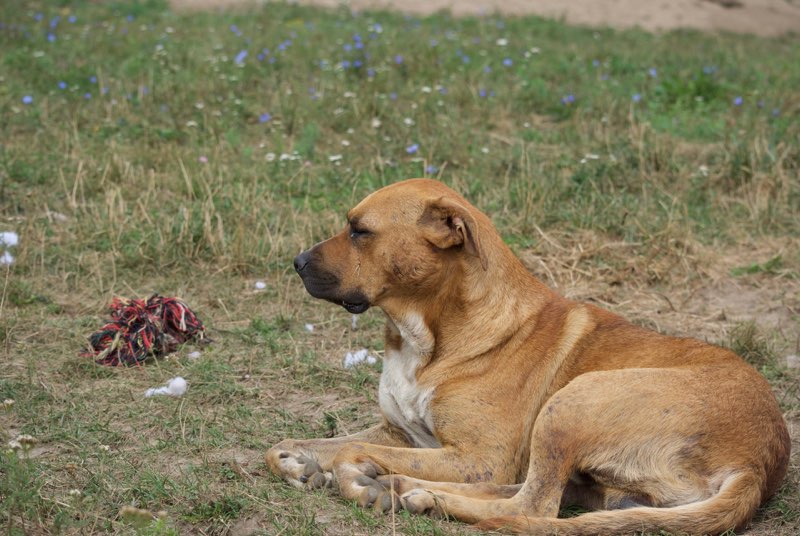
(403,402)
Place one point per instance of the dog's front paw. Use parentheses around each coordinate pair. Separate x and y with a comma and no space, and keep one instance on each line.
(421,501)
(296,468)
(358,483)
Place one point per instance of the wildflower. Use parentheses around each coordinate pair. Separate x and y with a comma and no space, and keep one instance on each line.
(408,121)
(334,158)
(487,69)
(431,169)
(51,37)
(62,85)
(264,118)
(737,101)
(393,96)
(636,97)
(776,112)
(426,89)
(27,99)
(507,62)
(376,123)
(412,149)
(8,403)
(104,448)
(568,99)
(345,143)
(235,29)
(501,42)
(92,79)
(72,19)
(270,157)
(357,64)
(652,72)
(74,492)
(485,150)
(203,159)
(347,47)
(595,63)
(398,59)
(239,59)
(345,64)
(87,95)
(371,72)
(482,93)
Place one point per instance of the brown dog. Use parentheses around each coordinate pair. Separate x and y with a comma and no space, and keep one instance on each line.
(503,401)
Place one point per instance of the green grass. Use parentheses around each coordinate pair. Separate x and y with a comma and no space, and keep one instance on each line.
(170,178)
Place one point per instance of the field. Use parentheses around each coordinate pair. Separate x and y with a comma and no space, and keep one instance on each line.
(194,155)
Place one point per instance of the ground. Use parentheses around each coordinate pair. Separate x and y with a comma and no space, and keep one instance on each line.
(760,17)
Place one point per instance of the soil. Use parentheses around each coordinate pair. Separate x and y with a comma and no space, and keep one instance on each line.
(760,17)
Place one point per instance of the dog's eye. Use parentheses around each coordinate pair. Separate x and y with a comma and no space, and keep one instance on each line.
(358,233)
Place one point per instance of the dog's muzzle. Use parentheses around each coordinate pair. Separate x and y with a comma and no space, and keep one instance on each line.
(326,286)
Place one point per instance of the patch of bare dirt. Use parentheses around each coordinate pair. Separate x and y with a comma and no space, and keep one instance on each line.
(760,17)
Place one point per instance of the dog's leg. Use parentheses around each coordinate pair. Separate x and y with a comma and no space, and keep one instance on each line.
(366,473)
(308,463)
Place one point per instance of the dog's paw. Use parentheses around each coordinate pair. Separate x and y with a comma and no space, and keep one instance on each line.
(420,501)
(400,483)
(369,493)
(296,468)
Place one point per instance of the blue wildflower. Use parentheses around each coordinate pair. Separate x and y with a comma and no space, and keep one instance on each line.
(62,85)
(398,59)
(265,51)
(239,59)
(737,101)
(347,47)
(357,64)
(129,18)
(776,112)
(482,92)
(443,90)
(359,45)
(568,99)
(595,63)
(104,91)
(38,16)
(264,118)
(371,72)
(636,97)
(87,95)
(235,29)
(652,72)
(434,42)
(431,169)
(345,64)
(54,22)
(92,79)
(72,19)
(27,99)
(51,37)
(487,69)
(465,58)
(709,69)
(413,148)
(260,56)
(393,96)
(507,62)
(760,104)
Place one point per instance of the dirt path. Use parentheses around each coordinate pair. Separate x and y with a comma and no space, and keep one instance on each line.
(761,17)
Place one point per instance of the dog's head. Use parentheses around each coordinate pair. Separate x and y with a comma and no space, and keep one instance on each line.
(402,242)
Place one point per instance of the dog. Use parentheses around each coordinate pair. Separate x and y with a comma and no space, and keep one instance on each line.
(503,402)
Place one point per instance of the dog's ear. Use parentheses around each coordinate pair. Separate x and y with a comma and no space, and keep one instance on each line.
(449,224)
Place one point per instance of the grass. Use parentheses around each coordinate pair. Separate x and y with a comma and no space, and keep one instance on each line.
(142,150)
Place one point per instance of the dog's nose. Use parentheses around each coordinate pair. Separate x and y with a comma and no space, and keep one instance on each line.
(301,261)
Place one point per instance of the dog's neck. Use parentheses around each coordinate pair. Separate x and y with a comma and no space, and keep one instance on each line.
(444,326)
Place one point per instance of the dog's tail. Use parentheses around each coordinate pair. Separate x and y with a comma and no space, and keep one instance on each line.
(731,508)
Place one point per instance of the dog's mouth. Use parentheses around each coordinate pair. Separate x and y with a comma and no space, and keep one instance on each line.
(355,307)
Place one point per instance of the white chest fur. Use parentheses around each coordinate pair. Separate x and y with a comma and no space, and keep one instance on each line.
(403,402)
